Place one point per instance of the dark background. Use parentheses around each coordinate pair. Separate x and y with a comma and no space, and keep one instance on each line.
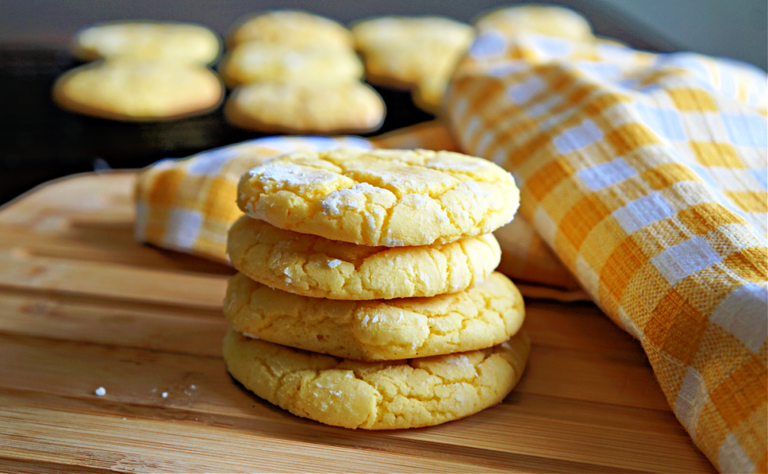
(39,142)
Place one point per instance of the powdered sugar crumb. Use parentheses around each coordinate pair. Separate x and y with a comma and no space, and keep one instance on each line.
(347,198)
(100,392)
(456,165)
(460,360)
(334,263)
(290,175)
(475,188)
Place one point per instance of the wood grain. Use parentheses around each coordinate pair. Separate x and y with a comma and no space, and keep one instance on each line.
(82,305)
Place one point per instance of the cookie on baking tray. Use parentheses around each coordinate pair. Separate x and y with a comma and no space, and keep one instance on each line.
(386,198)
(306,107)
(541,19)
(377,395)
(148,40)
(126,89)
(428,94)
(295,28)
(314,266)
(263,61)
(401,51)
(482,316)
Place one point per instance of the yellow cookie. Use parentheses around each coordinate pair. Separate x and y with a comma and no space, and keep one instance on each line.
(391,198)
(482,316)
(405,51)
(541,19)
(131,90)
(306,107)
(148,40)
(256,61)
(295,28)
(377,395)
(314,266)
(428,94)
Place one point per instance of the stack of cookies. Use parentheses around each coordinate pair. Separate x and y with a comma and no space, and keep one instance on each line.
(142,71)
(366,296)
(296,72)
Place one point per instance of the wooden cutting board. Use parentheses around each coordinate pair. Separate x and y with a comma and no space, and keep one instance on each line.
(82,306)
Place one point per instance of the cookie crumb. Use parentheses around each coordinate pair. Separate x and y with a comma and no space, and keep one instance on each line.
(100,392)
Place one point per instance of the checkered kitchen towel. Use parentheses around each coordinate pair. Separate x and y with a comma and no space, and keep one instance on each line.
(647,175)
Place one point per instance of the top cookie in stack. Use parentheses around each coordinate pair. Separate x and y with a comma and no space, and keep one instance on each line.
(392,198)
(385,262)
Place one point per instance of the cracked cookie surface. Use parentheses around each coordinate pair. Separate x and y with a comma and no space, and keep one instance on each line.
(482,316)
(314,266)
(390,198)
(377,395)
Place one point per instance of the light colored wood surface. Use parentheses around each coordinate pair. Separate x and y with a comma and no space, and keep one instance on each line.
(82,305)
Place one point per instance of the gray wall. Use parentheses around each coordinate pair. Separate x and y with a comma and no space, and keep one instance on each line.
(731,28)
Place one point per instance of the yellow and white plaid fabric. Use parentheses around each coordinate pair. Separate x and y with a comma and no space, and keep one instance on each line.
(188,205)
(646,174)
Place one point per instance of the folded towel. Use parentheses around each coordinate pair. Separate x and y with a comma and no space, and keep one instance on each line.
(646,174)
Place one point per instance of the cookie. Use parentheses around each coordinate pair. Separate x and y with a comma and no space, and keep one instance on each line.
(294,28)
(256,61)
(377,395)
(306,107)
(404,51)
(388,198)
(541,19)
(402,328)
(131,90)
(148,40)
(429,92)
(314,266)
